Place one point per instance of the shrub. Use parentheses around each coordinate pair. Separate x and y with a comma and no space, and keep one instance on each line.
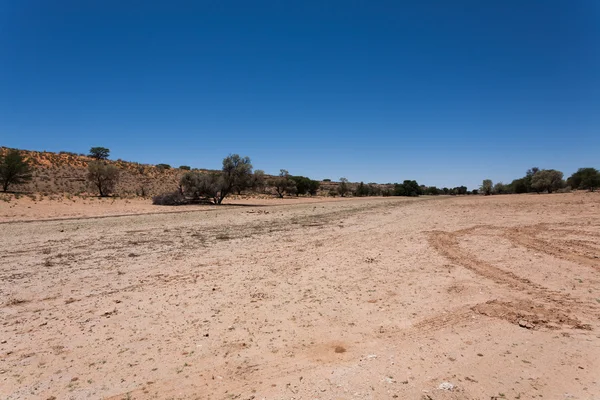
(169,199)
(326,180)
(185,167)
(14,170)
(163,167)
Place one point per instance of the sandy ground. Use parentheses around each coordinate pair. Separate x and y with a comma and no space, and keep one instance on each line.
(431,298)
(25,209)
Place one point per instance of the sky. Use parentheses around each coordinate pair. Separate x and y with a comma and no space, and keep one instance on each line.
(444,92)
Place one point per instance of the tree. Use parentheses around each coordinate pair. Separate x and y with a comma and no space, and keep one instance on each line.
(520,185)
(343,187)
(163,167)
(199,186)
(361,190)
(529,176)
(236,173)
(103,176)
(407,188)
(215,187)
(185,167)
(258,180)
(302,184)
(487,186)
(432,191)
(99,153)
(283,183)
(585,178)
(313,187)
(500,188)
(14,170)
(461,190)
(547,180)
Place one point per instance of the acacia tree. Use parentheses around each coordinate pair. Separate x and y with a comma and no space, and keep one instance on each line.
(215,187)
(257,181)
(283,183)
(103,176)
(99,153)
(547,179)
(487,186)
(343,187)
(14,170)
(585,178)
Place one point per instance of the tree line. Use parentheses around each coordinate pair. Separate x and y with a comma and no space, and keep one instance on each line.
(538,180)
(237,175)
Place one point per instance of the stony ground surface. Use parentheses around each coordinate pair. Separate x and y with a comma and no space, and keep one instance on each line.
(430,298)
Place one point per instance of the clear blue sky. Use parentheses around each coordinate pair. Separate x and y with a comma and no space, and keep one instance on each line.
(444,92)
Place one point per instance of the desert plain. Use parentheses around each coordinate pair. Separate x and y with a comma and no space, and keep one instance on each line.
(430,298)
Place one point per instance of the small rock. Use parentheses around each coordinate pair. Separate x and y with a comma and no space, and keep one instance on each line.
(526,324)
(446,386)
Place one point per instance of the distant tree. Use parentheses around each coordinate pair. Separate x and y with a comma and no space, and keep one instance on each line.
(499,188)
(215,187)
(283,184)
(302,184)
(258,181)
(99,153)
(432,191)
(326,180)
(313,187)
(474,191)
(236,173)
(374,189)
(407,188)
(185,167)
(528,177)
(585,178)
(103,176)
(197,186)
(547,180)
(163,167)
(14,170)
(361,190)
(461,190)
(343,187)
(520,185)
(487,187)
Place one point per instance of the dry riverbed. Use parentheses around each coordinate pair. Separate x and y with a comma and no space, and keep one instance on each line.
(429,298)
